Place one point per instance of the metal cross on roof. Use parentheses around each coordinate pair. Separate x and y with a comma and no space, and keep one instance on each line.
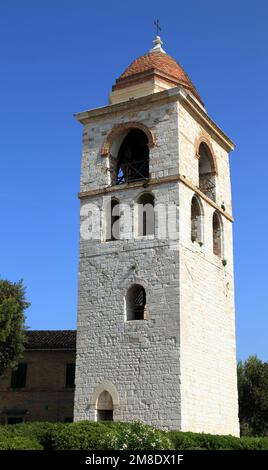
(157,25)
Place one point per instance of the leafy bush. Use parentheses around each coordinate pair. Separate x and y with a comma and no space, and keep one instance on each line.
(12,320)
(188,440)
(19,443)
(254,443)
(107,435)
(252,377)
(84,435)
(184,440)
(39,431)
(88,435)
(139,436)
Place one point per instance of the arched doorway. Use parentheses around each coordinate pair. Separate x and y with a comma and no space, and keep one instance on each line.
(104,407)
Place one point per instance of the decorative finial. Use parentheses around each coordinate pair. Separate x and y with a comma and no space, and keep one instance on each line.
(157,41)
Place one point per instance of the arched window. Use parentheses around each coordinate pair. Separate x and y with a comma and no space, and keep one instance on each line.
(136,303)
(196,220)
(217,234)
(145,214)
(206,171)
(105,407)
(133,158)
(112,220)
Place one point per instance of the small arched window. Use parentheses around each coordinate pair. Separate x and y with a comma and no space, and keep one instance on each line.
(196,220)
(207,182)
(136,303)
(105,407)
(217,234)
(112,220)
(145,214)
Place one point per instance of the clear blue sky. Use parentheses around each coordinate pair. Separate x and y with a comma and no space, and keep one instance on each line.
(60,57)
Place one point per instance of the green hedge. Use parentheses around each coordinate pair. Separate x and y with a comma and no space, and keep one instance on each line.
(88,435)
(19,443)
(111,436)
(195,441)
(40,432)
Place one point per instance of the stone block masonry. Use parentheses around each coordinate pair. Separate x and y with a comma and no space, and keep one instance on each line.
(176,369)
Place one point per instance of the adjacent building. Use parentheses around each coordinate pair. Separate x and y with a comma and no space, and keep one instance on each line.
(41,388)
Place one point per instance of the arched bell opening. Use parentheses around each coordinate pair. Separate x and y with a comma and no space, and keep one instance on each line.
(132,162)
(207,172)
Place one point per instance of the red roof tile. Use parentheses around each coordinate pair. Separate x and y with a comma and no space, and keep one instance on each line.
(51,339)
(155,64)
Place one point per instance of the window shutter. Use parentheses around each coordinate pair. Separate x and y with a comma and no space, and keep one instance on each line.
(18,376)
(70,375)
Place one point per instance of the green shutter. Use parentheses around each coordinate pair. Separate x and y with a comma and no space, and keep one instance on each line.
(70,374)
(18,376)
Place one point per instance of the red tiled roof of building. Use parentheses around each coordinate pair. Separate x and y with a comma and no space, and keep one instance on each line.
(51,339)
(155,64)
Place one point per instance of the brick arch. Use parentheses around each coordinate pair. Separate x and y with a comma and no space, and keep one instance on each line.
(203,139)
(119,128)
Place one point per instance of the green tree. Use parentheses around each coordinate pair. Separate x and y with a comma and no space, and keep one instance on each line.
(253,396)
(12,323)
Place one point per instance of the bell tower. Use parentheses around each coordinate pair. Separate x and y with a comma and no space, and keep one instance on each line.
(156,327)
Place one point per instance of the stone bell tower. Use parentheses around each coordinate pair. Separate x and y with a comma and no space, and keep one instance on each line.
(156,329)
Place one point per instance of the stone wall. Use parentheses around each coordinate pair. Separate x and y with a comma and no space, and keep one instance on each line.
(162,119)
(177,369)
(207,324)
(139,358)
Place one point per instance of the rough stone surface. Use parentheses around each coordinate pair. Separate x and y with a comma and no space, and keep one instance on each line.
(177,369)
